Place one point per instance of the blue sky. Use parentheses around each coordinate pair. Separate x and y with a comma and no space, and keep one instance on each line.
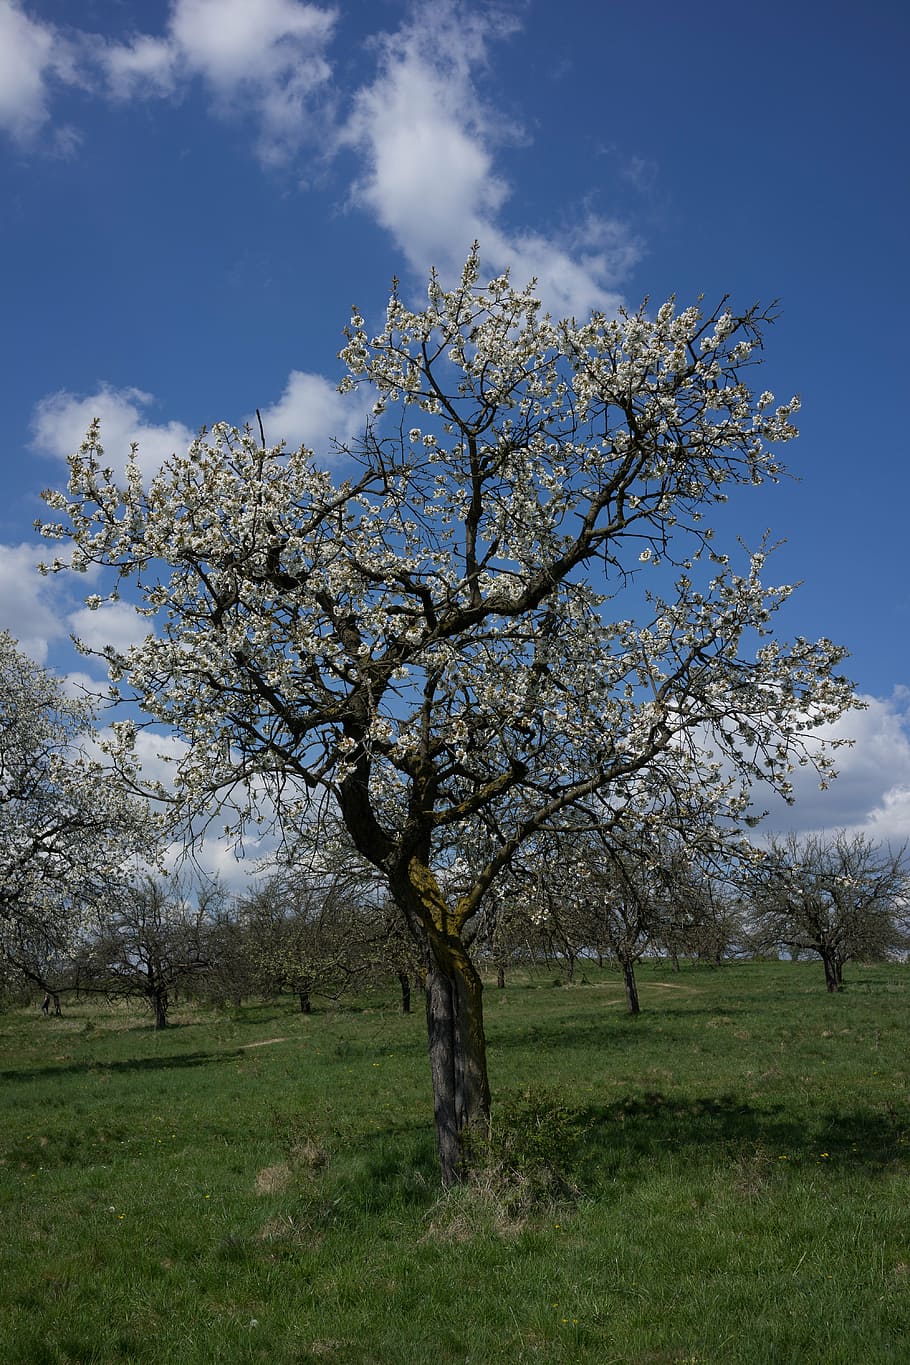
(196,191)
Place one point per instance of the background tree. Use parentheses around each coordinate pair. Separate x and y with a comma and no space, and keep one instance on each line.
(151,939)
(505,927)
(230,974)
(301,935)
(378,940)
(618,892)
(701,915)
(621,890)
(438,636)
(67,830)
(844,898)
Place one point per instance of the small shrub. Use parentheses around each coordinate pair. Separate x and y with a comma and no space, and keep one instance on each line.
(522,1165)
(530,1149)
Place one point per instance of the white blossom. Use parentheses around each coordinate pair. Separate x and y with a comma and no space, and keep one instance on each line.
(67,828)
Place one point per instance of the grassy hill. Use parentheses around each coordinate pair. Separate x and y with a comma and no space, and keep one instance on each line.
(723,1179)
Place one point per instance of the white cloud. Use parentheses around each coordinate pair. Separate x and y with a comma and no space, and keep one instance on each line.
(266,58)
(309,412)
(428,141)
(232,40)
(61,420)
(159,756)
(113,623)
(84,687)
(234,867)
(147,65)
(27,609)
(313,413)
(33,56)
(872,792)
(263,62)
(426,137)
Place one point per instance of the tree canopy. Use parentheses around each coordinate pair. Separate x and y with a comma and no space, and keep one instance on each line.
(843,897)
(66,831)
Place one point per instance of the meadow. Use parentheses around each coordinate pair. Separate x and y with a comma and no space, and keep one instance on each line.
(722,1179)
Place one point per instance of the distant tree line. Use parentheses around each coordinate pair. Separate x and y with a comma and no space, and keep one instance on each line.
(591,901)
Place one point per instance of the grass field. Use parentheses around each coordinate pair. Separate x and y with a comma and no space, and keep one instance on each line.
(723,1179)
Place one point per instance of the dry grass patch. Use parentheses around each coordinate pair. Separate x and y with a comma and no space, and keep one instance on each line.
(273,1179)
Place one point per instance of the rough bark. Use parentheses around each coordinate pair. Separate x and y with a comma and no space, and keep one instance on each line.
(457,1047)
(833,973)
(454,1009)
(159,1004)
(628,973)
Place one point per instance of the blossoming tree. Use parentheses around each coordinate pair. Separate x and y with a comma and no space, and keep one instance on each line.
(454,633)
(844,898)
(65,829)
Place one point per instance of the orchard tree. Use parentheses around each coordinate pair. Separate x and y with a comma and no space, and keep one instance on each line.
(370,936)
(842,897)
(619,889)
(302,935)
(701,879)
(508,599)
(66,830)
(152,938)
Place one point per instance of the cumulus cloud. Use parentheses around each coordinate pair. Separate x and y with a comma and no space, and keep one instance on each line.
(310,411)
(28,609)
(426,137)
(428,140)
(871,794)
(34,57)
(234,868)
(209,852)
(85,687)
(266,59)
(313,413)
(145,65)
(113,623)
(262,62)
(61,420)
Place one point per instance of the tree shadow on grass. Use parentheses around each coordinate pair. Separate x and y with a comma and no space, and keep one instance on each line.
(189,1059)
(637,1129)
(609,1149)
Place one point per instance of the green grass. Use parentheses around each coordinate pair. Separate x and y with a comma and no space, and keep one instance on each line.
(736,1181)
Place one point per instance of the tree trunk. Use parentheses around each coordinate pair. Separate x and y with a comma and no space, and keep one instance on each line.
(454,1004)
(405,984)
(159,1004)
(832,974)
(458,1064)
(303,995)
(628,973)
(500,977)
